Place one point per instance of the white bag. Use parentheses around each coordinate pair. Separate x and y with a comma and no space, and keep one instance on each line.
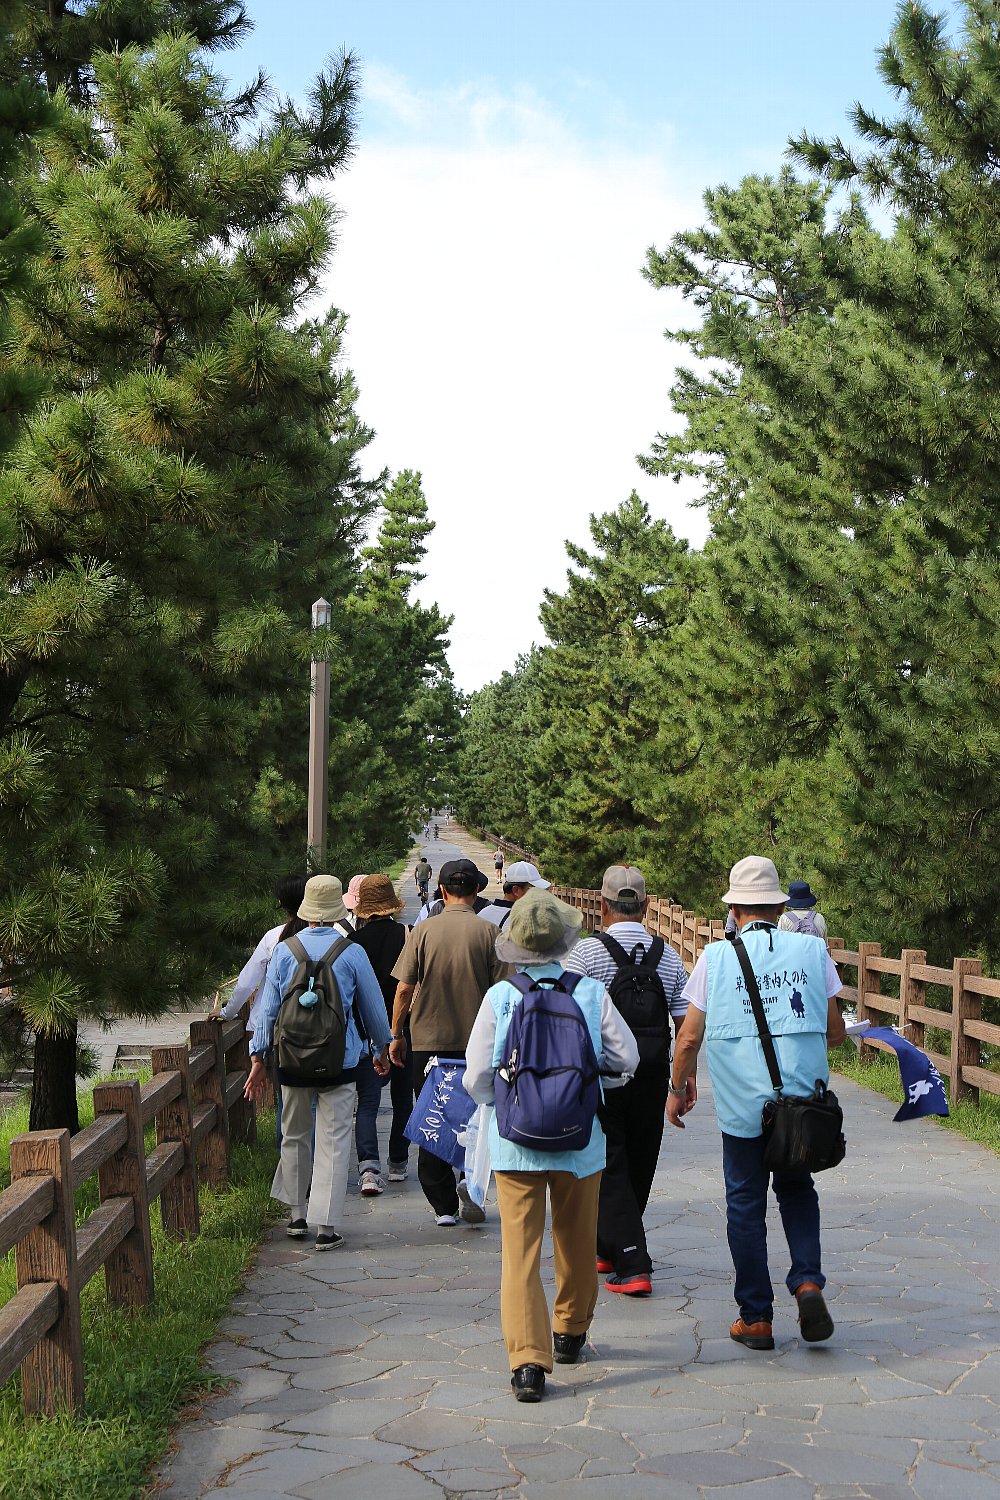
(476,1140)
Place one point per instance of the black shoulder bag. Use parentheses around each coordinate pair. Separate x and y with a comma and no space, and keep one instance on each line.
(800,1135)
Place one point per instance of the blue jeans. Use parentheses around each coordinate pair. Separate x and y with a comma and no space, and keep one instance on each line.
(746,1205)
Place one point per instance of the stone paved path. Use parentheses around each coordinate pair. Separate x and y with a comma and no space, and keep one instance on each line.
(378,1370)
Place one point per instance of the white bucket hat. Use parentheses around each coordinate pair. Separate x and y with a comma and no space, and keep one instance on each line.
(523,873)
(754,882)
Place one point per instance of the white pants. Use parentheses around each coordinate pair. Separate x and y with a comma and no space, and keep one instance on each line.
(326,1167)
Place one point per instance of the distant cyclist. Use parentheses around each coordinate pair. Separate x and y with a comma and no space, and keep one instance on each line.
(422,875)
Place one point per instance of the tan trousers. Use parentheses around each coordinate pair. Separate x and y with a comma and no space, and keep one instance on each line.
(524,1314)
(326,1167)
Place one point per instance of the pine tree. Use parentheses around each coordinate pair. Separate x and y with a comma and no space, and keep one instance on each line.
(55,41)
(24,112)
(398,699)
(495,760)
(913,433)
(188,488)
(620,605)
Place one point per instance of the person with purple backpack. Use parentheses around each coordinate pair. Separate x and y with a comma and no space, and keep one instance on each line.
(534,1031)
(800,915)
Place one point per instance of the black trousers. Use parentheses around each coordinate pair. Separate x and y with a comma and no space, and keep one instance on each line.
(436,1176)
(632,1121)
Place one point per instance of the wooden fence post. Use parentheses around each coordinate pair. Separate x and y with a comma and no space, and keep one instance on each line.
(128,1270)
(52,1374)
(911,992)
(179,1197)
(867,981)
(689,937)
(965,1050)
(243,1119)
(213,1153)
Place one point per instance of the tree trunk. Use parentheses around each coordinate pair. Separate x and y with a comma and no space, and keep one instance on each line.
(53,1086)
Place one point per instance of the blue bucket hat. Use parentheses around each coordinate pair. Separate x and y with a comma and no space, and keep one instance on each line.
(800,897)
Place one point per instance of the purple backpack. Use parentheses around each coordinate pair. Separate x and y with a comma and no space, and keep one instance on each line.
(804,922)
(547,1088)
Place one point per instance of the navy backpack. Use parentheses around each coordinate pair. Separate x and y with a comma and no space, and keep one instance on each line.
(547,1088)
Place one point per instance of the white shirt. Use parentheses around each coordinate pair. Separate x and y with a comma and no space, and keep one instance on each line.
(251,978)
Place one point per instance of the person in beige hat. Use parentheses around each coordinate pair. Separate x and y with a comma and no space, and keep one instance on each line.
(312,1173)
(799,987)
(539,936)
(383,938)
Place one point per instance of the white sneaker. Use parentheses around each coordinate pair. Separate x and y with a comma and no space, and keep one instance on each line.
(471,1212)
(446,1221)
(371,1183)
(397,1171)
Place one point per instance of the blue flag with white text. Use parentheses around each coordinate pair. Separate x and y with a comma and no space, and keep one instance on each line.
(442,1111)
(921,1080)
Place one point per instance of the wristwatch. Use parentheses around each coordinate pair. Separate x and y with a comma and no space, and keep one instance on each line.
(678,1093)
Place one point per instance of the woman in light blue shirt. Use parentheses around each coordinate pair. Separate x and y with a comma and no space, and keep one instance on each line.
(541,933)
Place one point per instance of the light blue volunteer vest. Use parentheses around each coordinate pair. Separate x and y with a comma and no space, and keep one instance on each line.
(791,974)
(507,1156)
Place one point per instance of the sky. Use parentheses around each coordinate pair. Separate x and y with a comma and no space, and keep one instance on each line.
(515,159)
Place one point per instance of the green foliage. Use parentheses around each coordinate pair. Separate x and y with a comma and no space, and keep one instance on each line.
(139,1368)
(828,693)
(54,41)
(396,708)
(168,514)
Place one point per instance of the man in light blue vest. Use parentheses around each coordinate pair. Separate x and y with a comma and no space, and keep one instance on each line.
(799,985)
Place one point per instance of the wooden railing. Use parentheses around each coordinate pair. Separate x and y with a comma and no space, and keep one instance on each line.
(511,851)
(196,1099)
(960,989)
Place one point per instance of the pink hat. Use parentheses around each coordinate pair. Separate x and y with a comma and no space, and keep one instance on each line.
(353,892)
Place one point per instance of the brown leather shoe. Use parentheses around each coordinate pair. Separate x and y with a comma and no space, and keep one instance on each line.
(815,1322)
(753,1335)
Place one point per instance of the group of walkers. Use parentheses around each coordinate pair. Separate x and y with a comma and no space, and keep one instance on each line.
(570,1038)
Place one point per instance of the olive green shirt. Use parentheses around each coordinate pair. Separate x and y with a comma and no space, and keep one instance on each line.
(453,962)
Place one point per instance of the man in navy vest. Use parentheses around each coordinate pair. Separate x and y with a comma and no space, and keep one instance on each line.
(799,986)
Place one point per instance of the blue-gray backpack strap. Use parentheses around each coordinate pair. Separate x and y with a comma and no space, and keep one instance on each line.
(567,981)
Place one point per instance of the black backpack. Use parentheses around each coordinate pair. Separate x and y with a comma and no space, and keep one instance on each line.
(310,1032)
(638,995)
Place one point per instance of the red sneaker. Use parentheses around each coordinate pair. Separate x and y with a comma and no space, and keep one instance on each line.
(603,1266)
(636,1285)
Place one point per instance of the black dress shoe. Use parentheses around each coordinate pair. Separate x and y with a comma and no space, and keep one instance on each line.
(567,1347)
(528,1383)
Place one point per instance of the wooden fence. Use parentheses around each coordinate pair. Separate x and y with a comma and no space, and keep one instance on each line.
(196,1099)
(958,991)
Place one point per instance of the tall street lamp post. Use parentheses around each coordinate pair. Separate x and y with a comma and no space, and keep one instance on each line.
(319,746)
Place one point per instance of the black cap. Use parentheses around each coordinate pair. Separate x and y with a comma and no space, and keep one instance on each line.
(460,876)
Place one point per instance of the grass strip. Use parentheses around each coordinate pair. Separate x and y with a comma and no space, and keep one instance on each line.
(141,1368)
(880,1073)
